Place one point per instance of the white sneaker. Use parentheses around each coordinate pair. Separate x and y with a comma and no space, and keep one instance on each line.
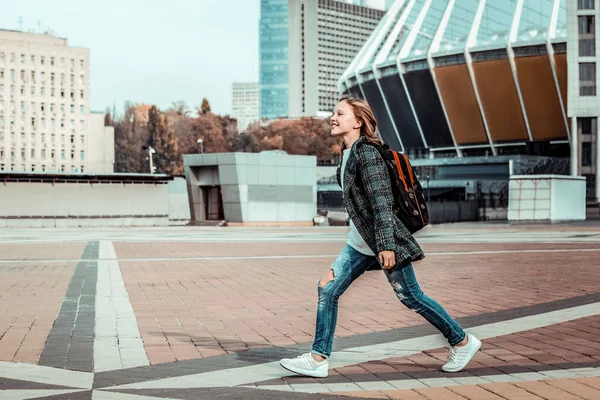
(306,365)
(460,356)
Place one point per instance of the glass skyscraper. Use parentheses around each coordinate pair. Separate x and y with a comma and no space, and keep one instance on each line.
(274,58)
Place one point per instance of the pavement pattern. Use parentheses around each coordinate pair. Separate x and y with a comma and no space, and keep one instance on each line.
(206,313)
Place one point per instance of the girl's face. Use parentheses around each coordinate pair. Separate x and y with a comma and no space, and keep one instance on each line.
(343,120)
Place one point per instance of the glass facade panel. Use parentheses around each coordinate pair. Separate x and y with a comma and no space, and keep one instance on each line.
(274,61)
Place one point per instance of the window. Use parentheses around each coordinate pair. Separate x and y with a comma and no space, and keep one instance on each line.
(32,77)
(72,154)
(62,108)
(62,61)
(42,107)
(42,60)
(587,36)
(52,78)
(72,108)
(81,79)
(72,95)
(587,79)
(82,155)
(32,153)
(32,59)
(72,63)
(22,58)
(33,90)
(585,4)
(12,75)
(42,91)
(81,63)
(586,125)
(81,109)
(43,123)
(81,94)
(81,124)
(586,154)
(62,79)
(12,57)
(62,155)
(82,170)
(51,60)
(72,138)
(72,79)
(52,108)
(82,140)
(52,92)
(43,168)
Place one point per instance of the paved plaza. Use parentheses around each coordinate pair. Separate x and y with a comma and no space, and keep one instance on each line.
(206,313)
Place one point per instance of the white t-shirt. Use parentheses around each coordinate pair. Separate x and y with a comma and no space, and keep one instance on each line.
(354,239)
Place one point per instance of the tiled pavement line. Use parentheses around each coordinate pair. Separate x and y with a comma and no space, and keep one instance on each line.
(255,357)
(402,348)
(70,342)
(225,258)
(36,394)
(117,343)
(102,395)
(406,384)
(46,375)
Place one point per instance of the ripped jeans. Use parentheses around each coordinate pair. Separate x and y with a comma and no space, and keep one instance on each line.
(351,264)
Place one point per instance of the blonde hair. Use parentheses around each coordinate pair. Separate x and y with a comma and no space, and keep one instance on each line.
(363,113)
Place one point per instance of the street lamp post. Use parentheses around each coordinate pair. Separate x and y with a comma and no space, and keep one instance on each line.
(201,143)
(151,151)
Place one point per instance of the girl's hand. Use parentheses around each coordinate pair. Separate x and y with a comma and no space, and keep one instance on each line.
(387,258)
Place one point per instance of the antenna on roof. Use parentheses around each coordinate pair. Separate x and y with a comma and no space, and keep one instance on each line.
(20,22)
(39,26)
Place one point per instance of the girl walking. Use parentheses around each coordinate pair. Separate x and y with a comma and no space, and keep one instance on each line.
(377,239)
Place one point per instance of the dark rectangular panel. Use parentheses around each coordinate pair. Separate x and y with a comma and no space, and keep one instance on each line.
(384,123)
(500,100)
(429,110)
(461,105)
(541,98)
(401,112)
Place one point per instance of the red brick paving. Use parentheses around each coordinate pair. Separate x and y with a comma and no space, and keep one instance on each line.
(147,250)
(212,307)
(30,298)
(42,251)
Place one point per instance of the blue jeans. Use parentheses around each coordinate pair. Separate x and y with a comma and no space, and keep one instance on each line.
(351,264)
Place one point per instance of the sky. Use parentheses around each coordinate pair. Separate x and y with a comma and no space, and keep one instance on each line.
(150,51)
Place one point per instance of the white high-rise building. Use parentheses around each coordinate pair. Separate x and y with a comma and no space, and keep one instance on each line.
(45,121)
(583,21)
(245,103)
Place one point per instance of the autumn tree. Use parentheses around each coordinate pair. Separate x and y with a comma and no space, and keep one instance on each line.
(205,107)
(162,139)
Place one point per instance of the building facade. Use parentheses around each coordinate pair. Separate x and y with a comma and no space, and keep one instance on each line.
(583,103)
(245,103)
(305,47)
(476,78)
(45,123)
(273,58)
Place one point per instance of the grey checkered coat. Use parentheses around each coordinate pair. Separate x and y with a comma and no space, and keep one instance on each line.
(368,200)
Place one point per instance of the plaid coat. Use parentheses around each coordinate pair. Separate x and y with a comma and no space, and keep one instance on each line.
(368,200)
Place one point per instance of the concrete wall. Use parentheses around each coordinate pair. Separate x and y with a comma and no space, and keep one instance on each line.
(67,204)
(551,198)
(101,146)
(179,206)
(262,187)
